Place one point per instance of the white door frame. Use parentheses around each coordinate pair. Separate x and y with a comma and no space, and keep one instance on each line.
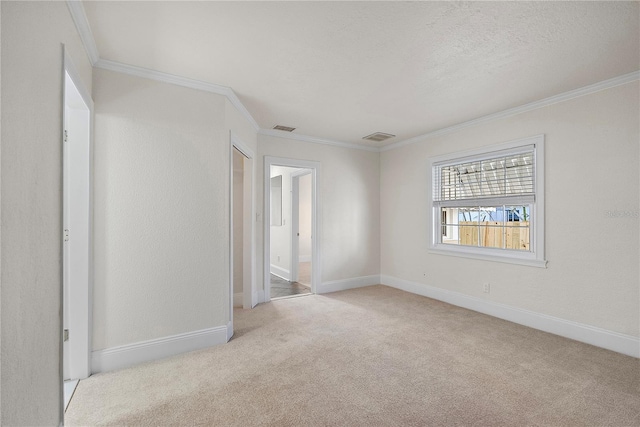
(249,292)
(295,222)
(315,219)
(77,202)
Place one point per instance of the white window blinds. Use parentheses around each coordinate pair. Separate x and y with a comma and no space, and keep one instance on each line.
(499,177)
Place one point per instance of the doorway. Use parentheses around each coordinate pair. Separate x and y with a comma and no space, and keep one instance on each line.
(77,271)
(242,278)
(292,253)
(238,227)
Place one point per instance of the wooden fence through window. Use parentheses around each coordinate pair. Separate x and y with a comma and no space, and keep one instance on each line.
(490,233)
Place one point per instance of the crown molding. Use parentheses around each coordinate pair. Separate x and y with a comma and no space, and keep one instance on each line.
(180,81)
(562,97)
(233,98)
(84,29)
(82,24)
(314,140)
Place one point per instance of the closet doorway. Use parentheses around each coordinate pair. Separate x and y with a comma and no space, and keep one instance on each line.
(242,292)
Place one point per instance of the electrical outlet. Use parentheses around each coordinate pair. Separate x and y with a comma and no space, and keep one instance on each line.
(486,288)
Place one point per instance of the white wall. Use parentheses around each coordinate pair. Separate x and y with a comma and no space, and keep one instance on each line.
(591,168)
(349,196)
(161,210)
(162,193)
(31,206)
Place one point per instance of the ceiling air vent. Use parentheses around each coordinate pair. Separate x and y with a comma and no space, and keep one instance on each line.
(378,136)
(284,128)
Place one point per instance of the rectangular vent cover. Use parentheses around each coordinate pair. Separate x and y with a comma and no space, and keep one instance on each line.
(378,136)
(284,128)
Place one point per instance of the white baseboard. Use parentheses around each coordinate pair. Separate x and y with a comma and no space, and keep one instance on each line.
(351,283)
(304,258)
(280,272)
(124,356)
(238,299)
(610,340)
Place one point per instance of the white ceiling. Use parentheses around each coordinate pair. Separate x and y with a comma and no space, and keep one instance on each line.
(343,70)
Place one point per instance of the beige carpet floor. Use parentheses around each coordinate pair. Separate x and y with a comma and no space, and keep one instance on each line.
(373,356)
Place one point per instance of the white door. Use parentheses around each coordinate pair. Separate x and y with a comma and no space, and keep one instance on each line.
(301,222)
(76,207)
(65,252)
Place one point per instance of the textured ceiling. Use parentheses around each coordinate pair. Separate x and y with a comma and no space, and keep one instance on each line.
(343,70)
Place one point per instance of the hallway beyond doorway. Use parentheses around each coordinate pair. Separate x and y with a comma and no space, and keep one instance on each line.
(283,288)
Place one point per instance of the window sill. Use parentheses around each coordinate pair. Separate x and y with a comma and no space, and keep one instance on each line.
(462,253)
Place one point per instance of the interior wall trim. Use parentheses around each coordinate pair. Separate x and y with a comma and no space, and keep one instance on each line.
(314,140)
(224,91)
(621,343)
(180,81)
(84,29)
(562,97)
(124,356)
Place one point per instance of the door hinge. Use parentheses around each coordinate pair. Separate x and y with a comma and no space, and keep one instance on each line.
(65,335)
(66,135)
(66,235)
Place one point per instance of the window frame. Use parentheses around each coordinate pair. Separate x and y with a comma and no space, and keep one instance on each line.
(536,255)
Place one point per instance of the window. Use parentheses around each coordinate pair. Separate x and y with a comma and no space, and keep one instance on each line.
(489,203)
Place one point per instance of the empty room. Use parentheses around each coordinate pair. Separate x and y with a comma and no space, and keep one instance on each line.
(320,213)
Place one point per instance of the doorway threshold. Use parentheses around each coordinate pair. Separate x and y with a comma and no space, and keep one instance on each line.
(291,296)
